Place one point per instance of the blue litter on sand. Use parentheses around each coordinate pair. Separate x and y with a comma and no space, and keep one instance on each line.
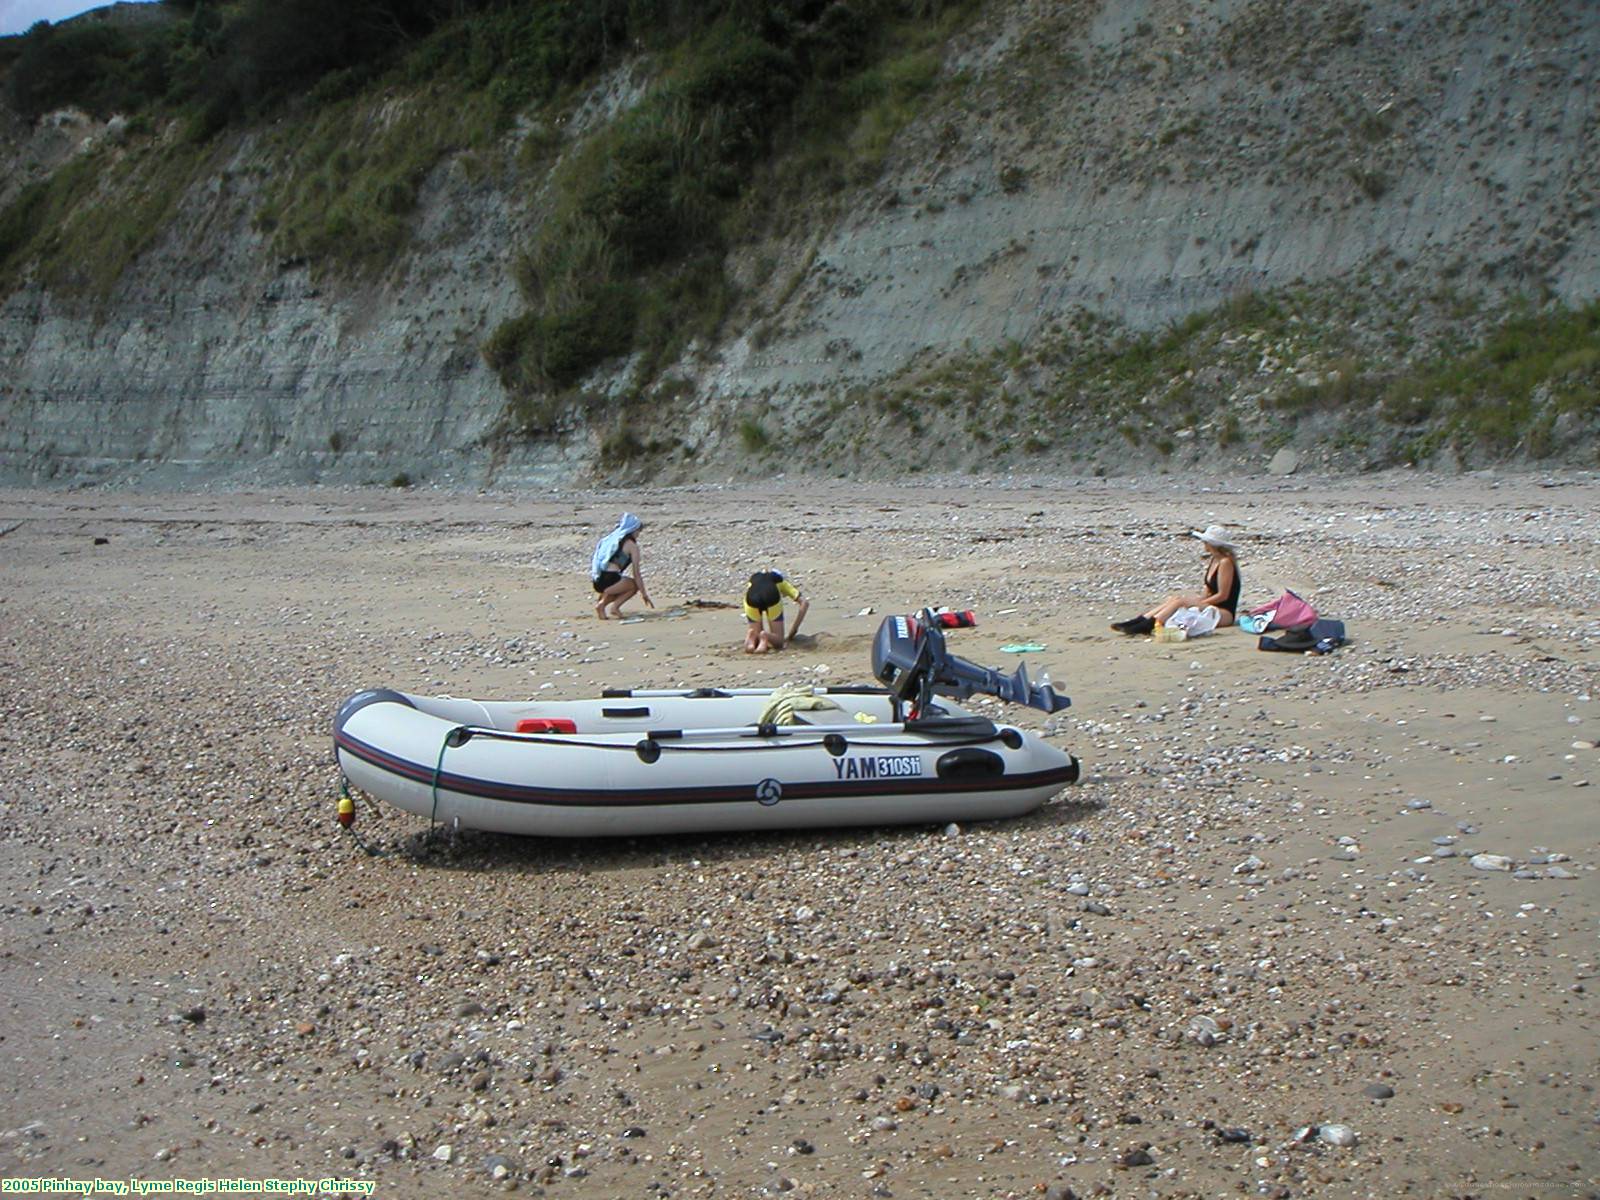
(1021,647)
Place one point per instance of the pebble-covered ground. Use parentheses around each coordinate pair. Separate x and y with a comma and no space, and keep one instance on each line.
(1308,926)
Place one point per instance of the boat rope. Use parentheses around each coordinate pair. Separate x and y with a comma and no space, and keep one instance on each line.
(942,743)
(686,748)
(673,741)
(650,746)
(438,767)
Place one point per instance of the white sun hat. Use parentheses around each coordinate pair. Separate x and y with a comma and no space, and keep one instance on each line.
(1214,535)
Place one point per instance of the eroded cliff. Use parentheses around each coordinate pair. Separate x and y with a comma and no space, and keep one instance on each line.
(1387,176)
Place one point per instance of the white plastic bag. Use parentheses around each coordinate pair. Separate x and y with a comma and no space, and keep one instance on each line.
(1195,622)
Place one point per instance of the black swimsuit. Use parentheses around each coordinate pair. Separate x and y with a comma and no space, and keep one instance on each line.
(620,562)
(1231,600)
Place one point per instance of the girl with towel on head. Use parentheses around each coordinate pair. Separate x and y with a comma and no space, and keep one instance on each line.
(614,556)
(1221,587)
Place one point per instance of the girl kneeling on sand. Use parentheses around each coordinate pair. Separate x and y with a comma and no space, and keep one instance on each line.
(763,601)
(1222,585)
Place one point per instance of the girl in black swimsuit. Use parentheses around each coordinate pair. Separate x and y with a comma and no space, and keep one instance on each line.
(615,554)
(1222,584)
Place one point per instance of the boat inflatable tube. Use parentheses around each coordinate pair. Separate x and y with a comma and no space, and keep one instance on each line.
(649,762)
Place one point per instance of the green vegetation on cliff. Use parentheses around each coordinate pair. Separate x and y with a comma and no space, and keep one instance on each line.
(458,72)
(1251,372)
(358,102)
(763,109)
(678,164)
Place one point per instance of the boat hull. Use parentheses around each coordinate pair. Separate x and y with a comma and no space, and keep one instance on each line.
(686,763)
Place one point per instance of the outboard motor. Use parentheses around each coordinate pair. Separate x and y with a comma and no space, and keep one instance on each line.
(909,658)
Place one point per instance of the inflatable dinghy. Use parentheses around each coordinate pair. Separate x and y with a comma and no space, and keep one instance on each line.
(639,762)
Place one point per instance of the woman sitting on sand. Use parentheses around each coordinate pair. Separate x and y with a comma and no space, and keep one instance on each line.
(1221,587)
(763,600)
(613,556)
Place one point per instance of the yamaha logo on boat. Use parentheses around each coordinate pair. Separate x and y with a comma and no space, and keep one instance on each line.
(879,766)
(769,792)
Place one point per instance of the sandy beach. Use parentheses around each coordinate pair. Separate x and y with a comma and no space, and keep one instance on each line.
(1307,926)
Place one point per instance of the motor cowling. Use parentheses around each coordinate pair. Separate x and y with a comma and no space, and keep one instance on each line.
(909,658)
(900,655)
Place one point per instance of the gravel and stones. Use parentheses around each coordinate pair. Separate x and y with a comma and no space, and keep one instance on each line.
(1237,928)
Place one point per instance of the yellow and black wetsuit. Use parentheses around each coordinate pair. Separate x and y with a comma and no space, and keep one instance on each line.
(766,594)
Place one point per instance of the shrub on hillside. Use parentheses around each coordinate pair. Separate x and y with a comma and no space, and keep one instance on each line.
(274,48)
(100,68)
(631,194)
(571,342)
(553,350)
(506,349)
(22,220)
(646,208)
(748,78)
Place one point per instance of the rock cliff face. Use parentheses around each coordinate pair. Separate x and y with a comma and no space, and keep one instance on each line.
(1140,160)
(214,360)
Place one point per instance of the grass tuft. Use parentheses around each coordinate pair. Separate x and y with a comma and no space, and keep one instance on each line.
(753,436)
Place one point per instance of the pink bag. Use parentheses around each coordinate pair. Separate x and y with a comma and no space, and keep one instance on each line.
(1289,612)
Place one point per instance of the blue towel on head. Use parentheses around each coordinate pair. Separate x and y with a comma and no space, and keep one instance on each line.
(608,546)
